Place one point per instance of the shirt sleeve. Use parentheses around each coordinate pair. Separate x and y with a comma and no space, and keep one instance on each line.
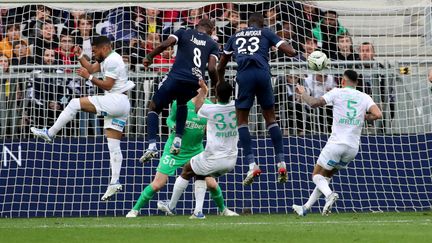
(204,111)
(369,102)
(178,34)
(272,37)
(329,96)
(228,49)
(112,69)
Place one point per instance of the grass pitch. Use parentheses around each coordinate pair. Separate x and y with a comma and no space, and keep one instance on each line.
(345,227)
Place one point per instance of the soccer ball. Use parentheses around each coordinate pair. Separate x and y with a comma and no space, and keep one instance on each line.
(317,60)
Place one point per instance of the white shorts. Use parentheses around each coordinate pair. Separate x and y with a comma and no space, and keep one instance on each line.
(336,156)
(212,167)
(115,109)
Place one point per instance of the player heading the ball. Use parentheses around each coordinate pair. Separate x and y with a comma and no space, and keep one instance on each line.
(114,105)
(350,109)
(196,50)
(250,48)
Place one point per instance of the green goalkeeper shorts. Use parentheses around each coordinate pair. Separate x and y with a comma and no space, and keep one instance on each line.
(169,163)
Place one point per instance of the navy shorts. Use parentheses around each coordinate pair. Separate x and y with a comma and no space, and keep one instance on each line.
(171,89)
(254,82)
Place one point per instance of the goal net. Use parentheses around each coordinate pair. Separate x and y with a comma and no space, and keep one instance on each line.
(389,43)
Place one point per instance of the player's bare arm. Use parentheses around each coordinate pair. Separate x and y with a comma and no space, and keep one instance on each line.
(170,41)
(106,84)
(202,94)
(225,58)
(91,68)
(211,67)
(311,101)
(287,49)
(374,113)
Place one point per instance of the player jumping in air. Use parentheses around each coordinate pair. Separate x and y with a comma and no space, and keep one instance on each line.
(196,50)
(250,47)
(220,154)
(350,109)
(113,105)
(193,144)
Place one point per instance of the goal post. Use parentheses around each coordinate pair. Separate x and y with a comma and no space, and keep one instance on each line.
(392,171)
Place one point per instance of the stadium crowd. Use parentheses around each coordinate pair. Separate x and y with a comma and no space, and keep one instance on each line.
(41,40)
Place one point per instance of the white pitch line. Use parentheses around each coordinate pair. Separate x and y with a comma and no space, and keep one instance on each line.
(210,223)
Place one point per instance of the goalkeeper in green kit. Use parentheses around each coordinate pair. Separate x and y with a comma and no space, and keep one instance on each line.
(192,144)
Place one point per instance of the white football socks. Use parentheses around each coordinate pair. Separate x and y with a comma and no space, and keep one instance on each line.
(179,186)
(67,115)
(116,158)
(322,184)
(200,191)
(315,195)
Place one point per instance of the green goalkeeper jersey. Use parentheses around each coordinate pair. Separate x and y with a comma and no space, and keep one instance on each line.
(193,135)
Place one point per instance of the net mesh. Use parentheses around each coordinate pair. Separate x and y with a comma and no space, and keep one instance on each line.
(389,44)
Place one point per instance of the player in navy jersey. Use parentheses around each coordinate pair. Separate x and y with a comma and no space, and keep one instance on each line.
(196,50)
(250,48)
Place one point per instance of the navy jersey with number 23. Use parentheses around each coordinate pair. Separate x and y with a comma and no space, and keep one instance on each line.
(252,45)
(193,53)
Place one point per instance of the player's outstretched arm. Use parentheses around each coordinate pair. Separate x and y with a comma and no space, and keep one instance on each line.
(91,68)
(311,101)
(225,58)
(374,113)
(211,67)
(202,94)
(287,49)
(170,41)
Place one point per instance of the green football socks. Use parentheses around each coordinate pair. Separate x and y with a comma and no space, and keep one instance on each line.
(217,197)
(145,197)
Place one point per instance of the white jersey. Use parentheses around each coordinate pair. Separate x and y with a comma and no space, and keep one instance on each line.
(114,67)
(222,136)
(349,109)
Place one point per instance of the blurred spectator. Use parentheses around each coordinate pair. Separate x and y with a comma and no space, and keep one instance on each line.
(309,46)
(21,54)
(84,33)
(10,100)
(288,106)
(166,57)
(33,26)
(12,34)
(345,50)
(118,25)
(230,28)
(377,86)
(3,20)
(48,40)
(65,51)
(318,85)
(241,26)
(308,17)
(430,75)
(72,21)
(271,18)
(327,31)
(193,17)
(150,22)
(152,41)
